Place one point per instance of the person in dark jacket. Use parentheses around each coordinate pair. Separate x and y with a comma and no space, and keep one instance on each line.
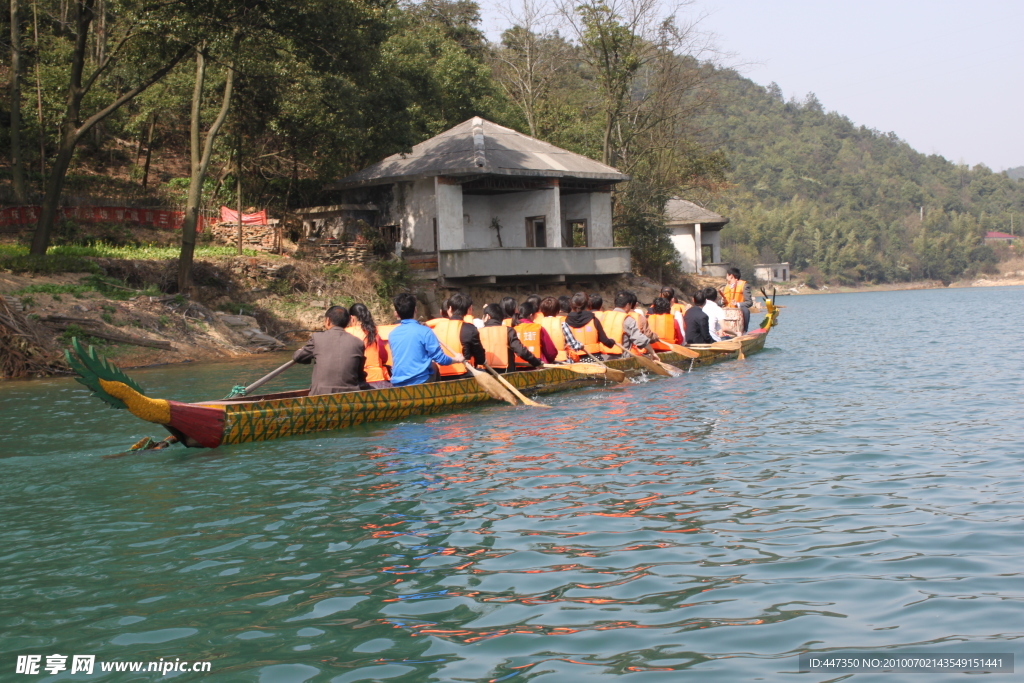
(469,338)
(579,318)
(695,320)
(339,356)
(493,315)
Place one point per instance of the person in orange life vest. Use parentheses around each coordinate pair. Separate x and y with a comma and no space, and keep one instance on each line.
(443,315)
(664,325)
(552,324)
(563,306)
(534,300)
(414,347)
(384,331)
(623,327)
(508,308)
(460,337)
(533,335)
(637,313)
(737,295)
(595,306)
(502,344)
(586,328)
(361,325)
(338,355)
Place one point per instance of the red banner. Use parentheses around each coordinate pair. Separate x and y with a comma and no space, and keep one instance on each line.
(229,216)
(156,218)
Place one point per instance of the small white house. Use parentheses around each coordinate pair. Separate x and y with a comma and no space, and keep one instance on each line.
(772,272)
(694,233)
(493,203)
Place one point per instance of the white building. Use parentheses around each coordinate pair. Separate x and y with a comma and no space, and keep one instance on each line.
(772,272)
(492,203)
(694,233)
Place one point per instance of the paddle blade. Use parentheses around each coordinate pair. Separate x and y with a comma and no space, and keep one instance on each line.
(650,365)
(682,350)
(492,386)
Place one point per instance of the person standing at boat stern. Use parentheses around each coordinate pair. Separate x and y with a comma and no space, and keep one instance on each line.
(339,356)
(737,295)
(414,348)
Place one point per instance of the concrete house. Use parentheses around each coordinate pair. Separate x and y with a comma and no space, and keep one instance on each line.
(694,233)
(484,203)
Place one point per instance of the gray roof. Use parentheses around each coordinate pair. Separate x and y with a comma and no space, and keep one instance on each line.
(480,147)
(680,211)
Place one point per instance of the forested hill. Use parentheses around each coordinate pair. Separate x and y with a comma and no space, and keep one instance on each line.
(1017,172)
(811,188)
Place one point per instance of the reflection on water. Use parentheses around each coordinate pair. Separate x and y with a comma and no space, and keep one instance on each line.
(830,493)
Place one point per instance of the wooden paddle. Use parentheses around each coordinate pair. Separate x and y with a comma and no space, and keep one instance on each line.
(612,373)
(239,390)
(491,387)
(591,369)
(518,394)
(656,367)
(681,350)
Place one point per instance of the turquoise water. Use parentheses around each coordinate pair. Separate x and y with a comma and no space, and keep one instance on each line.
(858,485)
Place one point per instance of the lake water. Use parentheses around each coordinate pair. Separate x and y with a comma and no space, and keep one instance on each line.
(856,486)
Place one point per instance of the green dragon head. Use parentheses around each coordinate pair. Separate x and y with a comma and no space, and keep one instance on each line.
(92,369)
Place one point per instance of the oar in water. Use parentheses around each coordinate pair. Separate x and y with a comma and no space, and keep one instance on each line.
(591,369)
(681,350)
(491,386)
(518,394)
(655,366)
(239,390)
(612,373)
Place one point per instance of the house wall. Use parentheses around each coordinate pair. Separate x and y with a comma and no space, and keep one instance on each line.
(512,210)
(451,232)
(713,238)
(414,209)
(683,240)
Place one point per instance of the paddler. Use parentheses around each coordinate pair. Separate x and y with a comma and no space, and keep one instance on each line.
(552,324)
(587,329)
(361,325)
(737,295)
(459,337)
(414,347)
(622,325)
(502,345)
(533,335)
(696,321)
(339,356)
(563,306)
(534,300)
(664,325)
(442,315)
(508,308)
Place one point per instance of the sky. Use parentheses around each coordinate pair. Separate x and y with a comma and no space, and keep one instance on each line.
(947,77)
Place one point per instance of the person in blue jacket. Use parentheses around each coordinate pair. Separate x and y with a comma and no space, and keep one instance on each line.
(414,347)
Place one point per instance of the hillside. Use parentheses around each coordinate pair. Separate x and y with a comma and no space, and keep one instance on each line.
(811,188)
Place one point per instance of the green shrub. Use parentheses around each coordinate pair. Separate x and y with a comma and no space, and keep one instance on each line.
(50,264)
(393,277)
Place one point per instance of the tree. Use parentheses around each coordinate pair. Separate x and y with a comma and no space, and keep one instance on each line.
(156,59)
(531,55)
(17,163)
(200,156)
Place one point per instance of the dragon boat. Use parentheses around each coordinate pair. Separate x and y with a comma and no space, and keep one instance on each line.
(208,424)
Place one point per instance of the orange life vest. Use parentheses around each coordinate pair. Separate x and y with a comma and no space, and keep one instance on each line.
(384,331)
(448,333)
(495,342)
(375,369)
(600,316)
(507,322)
(734,293)
(679,308)
(537,316)
(613,328)
(467,319)
(663,325)
(587,335)
(553,324)
(529,335)
(432,323)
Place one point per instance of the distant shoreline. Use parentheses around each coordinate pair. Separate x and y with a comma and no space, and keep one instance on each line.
(902,286)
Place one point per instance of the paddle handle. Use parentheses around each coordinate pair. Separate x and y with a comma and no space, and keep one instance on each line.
(263,380)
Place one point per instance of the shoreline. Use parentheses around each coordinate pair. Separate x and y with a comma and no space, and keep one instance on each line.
(904,286)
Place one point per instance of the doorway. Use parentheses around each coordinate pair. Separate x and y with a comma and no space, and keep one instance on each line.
(707,253)
(577,233)
(536,231)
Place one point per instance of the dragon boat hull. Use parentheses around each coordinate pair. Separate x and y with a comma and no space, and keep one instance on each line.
(274,416)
